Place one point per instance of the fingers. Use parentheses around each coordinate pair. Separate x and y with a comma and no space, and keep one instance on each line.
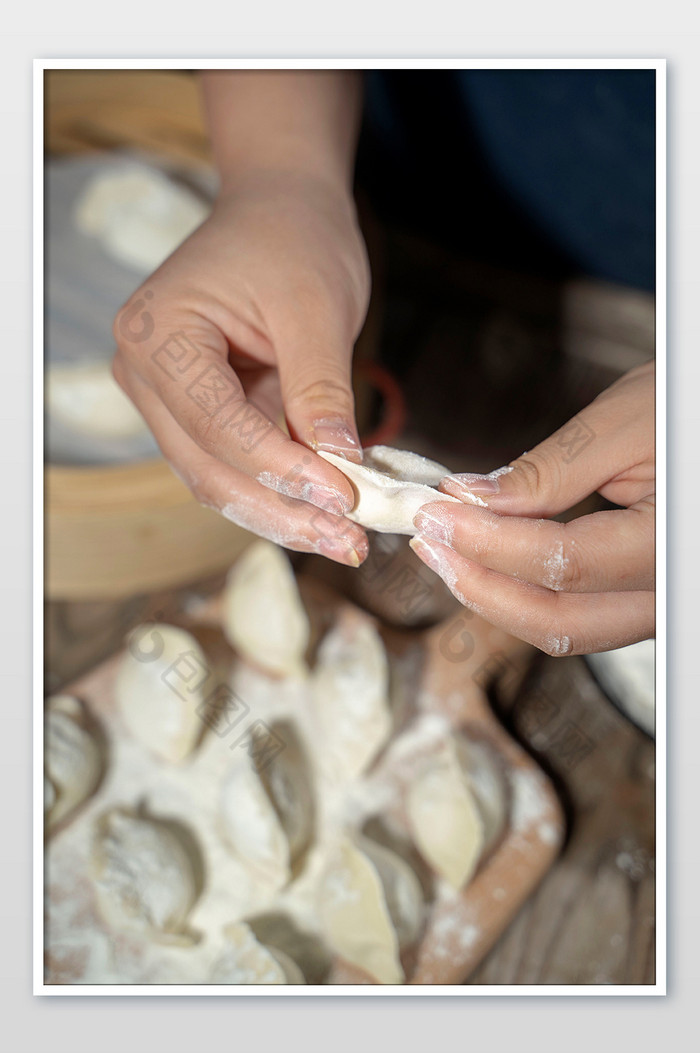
(606,551)
(556,622)
(288,522)
(612,439)
(314,361)
(184,361)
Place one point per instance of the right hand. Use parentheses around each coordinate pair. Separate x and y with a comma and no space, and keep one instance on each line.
(251,320)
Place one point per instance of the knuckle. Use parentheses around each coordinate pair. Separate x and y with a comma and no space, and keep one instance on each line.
(322,391)
(538,474)
(206,432)
(563,571)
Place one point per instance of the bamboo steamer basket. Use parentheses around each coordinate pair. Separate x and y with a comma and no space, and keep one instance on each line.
(118,530)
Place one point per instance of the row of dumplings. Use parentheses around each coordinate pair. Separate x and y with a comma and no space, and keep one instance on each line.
(370,903)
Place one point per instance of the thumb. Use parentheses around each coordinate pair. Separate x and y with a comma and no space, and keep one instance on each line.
(315,377)
(551,478)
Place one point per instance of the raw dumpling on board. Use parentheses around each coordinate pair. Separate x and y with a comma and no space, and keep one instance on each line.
(444,816)
(355,916)
(390,486)
(247,961)
(263,616)
(144,876)
(350,686)
(73,758)
(251,825)
(161,689)
(402,891)
(286,778)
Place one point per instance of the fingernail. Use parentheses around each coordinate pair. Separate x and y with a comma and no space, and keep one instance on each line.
(470,484)
(342,552)
(335,436)
(427,553)
(431,525)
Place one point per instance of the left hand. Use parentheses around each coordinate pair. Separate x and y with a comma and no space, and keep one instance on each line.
(569,588)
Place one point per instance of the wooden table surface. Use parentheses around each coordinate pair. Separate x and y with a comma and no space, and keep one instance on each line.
(591,921)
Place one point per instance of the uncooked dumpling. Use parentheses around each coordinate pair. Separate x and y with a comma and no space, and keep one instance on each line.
(488,787)
(444,816)
(246,961)
(263,616)
(161,688)
(73,760)
(139,215)
(86,398)
(351,690)
(287,781)
(144,877)
(402,890)
(355,916)
(390,487)
(251,824)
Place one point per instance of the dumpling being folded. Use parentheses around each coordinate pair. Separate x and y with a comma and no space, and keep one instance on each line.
(390,487)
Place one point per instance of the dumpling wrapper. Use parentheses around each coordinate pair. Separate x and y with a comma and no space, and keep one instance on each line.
(161,688)
(247,961)
(355,916)
(264,618)
(144,876)
(350,686)
(73,761)
(390,487)
(444,817)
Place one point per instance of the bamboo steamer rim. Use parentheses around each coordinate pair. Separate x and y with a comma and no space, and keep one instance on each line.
(89,489)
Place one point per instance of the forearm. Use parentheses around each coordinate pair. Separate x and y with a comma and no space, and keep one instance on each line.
(297,121)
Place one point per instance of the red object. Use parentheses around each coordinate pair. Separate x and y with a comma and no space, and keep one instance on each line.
(394,413)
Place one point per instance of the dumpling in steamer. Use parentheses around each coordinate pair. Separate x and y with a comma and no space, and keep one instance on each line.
(73,759)
(247,961)
(263,617)
(144,876)
(350,687)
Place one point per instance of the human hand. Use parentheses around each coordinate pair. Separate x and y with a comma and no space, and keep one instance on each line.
(255,316)
(569,588)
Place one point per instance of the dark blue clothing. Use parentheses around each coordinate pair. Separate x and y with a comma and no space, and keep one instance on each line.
(552,170)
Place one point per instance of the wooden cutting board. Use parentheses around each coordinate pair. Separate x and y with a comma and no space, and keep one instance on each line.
(446,671)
